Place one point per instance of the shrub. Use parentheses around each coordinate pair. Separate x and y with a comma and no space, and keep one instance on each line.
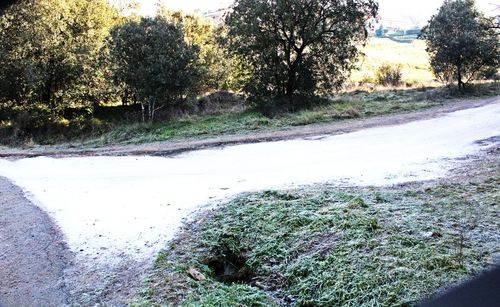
(367,79)
(389,74)
(273,106)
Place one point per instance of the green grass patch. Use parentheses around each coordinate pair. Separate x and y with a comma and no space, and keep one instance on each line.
(182,128)
(331,246)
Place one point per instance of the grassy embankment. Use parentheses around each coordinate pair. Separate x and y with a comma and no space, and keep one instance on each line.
(353,105)
(333,246)
(358,104)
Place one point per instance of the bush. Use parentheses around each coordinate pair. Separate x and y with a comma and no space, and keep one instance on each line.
(389,74)
(219,103)
(274,106)
(367,79)
(38,125)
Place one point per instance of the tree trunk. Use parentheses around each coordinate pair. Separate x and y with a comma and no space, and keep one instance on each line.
(142,111)
(96,103)
(48,94)
(126,97)
(459,77)
(51,86)
(152,106)
(291,84)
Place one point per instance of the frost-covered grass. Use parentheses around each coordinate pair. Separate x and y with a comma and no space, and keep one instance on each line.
(331,246)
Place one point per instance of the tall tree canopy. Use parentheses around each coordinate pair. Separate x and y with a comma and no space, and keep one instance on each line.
(154,60)
(462,42)
(298,46)
(218,69)
(49,50)
(200,32)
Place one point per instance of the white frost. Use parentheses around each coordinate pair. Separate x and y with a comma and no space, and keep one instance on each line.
(113,207)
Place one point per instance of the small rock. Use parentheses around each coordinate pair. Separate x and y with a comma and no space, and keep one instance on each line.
(196,275)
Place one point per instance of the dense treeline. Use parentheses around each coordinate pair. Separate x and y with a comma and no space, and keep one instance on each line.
(79,54)
(59,54)
(62,60)
(51,52)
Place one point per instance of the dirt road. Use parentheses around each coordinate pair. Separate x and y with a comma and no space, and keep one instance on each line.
(38,269)
(33,255)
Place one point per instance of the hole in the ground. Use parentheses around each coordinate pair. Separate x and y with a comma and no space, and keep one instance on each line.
(230,267)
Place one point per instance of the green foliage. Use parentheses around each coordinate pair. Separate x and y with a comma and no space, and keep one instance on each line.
(154,61)
(214,63)
(388,74)
(298,46)
(50,52)
(462,42)
(237,69)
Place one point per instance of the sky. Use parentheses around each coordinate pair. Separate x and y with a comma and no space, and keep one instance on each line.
(409,12)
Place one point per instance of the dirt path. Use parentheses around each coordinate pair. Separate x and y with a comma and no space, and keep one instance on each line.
(166,148)
(33,255)
(37,267)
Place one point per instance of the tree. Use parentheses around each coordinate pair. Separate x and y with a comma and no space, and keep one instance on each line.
(298,46)
(49,51)
(92,23)
(216,66)
(201,33)
(462,42)
(154,61)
